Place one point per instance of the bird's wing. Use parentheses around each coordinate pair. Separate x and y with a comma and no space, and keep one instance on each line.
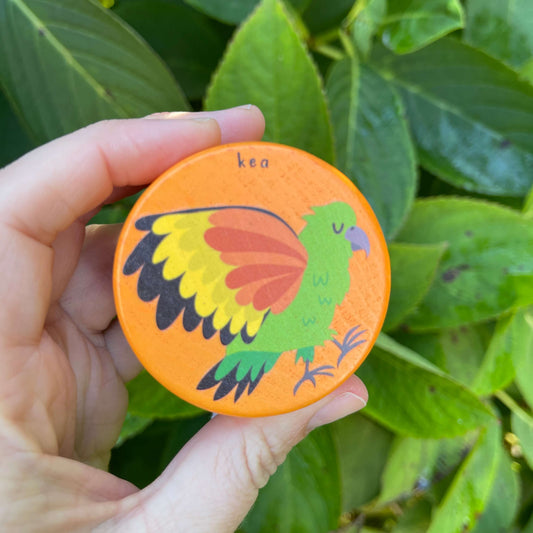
(225,268)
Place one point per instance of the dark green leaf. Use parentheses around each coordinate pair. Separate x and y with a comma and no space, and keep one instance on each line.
(304,493)
(235,11)
(363,448)
(142,458)
(367,23)
(230,11)
(133,425)
(410,461)
(503,502)
(528,204)
(151,400)
(489,249)
(414,398)
(320,15)
(522,335)
(469,493)
(68,63)
(522,425)
(415,518)
(457,351)
(503,28)
(14,141)
(190,43)
(413,268)
(470,115)
(413,24)
(372,141)
(529,527)
(267,65)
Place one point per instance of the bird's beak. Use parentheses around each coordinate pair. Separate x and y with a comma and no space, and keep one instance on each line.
(358,238)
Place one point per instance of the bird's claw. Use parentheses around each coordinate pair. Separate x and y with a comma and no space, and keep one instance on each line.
(309,375)
(350,342)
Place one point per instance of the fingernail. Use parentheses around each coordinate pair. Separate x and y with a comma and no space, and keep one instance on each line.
(344,405)
(168,115)
(246,106)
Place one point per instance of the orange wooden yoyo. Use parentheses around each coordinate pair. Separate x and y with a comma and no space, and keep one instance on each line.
(251,279)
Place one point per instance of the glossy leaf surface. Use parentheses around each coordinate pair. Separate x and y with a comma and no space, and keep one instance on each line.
(266,57)
(470,116)
(412,24)
(487,267)
(66,64)
(372,141)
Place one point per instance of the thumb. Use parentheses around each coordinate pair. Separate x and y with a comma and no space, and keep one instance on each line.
(214,480)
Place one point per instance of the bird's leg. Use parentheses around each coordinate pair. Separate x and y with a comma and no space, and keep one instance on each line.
(307,355)
(351,341)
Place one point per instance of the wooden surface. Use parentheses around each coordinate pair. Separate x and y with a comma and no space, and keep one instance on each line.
(239,212)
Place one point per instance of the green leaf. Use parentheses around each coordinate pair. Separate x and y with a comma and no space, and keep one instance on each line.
(190,43)
(490,248)
(368,20)
(414,398)
(363,448)
(149,399)
(497,369)
(469,493)
(373,145)
(522,334)
(133,425)
(528,205)
(503,502)
(321,16)
(503,28)
(304,493)
(14,141)
(235,11)
(529,526)
(415,518)
(413,268)
(470,116)
(458,351)
(522,425)
(141,459)
(68,63)
(413,24)
(409,461)
(230,11)
(267,65)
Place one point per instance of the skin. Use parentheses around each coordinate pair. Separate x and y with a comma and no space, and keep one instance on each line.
(64,359)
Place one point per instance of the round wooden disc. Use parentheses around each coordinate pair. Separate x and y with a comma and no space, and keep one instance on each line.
(251,279)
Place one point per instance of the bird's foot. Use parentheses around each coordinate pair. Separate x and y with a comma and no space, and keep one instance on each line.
(351,341)
(309,375)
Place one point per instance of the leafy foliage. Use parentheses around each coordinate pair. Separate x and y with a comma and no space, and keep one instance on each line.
(410,99)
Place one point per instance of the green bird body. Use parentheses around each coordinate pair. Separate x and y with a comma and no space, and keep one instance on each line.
(329,238)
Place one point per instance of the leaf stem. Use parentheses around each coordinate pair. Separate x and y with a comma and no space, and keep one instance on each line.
(330,51)
(511,404)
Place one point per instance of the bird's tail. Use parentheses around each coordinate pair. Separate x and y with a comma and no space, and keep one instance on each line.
(241,370)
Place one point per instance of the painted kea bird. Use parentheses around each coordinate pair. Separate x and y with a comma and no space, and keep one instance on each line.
(244,273)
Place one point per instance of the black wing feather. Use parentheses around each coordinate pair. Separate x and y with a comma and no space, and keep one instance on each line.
(171,304)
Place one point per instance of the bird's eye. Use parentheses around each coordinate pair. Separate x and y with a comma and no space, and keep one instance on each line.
(337,230)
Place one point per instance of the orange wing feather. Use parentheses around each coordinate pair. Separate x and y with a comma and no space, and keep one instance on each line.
(269,259)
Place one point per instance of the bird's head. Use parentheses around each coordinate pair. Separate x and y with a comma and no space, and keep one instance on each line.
(335,225)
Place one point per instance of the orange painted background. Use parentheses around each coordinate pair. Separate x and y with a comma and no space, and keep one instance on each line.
(290,186)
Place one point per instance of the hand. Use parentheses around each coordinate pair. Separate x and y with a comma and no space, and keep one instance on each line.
(64,360)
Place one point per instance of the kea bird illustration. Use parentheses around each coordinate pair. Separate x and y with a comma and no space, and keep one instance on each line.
(243,273)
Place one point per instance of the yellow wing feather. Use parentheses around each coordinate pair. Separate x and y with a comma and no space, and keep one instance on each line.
(185,253)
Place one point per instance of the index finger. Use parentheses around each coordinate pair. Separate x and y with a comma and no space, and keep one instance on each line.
(44,192)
